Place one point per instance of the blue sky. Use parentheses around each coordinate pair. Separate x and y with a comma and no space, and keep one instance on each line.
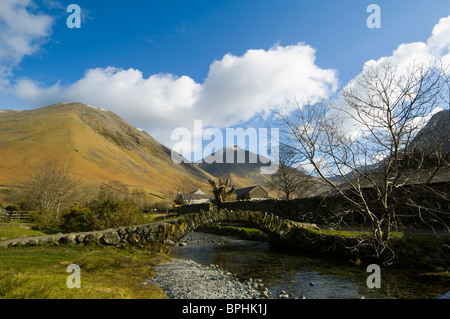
(184,37)
(163,64)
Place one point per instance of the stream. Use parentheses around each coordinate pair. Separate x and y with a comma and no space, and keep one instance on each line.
(291,275)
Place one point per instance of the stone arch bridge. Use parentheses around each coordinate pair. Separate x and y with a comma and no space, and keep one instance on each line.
(281,232)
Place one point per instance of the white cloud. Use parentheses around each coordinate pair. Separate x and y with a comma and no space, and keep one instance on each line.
(237,88)
(22,32)
(439,42)
(406,54)
(259,81)
(405,58)
(146,102)
(440,39)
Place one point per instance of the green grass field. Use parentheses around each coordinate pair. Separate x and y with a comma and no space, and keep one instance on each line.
(106,273)
(17,229)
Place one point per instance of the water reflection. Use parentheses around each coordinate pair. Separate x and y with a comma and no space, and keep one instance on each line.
(297,275)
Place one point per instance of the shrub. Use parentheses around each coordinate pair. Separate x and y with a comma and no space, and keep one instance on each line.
(77,219)
(101,213)
(44,219)
(111,212)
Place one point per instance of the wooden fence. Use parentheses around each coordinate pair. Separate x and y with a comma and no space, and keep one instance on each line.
(14,216)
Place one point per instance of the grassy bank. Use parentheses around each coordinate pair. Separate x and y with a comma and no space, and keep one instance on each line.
(18,229)
(106,273)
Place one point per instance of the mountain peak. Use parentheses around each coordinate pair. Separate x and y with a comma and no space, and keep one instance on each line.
(76,105)
(243,167)
(233,147)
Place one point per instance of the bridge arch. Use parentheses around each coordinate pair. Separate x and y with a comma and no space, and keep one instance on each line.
(274,226)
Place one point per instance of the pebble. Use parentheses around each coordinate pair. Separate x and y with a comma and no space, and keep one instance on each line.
(186,279)
(283,295)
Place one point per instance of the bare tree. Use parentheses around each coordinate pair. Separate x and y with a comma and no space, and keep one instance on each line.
(118,190)
(52,188)
(115,189)
(366,139)
(222,190)
(289,180)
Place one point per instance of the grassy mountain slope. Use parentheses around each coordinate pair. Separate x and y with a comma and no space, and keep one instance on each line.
(101,145)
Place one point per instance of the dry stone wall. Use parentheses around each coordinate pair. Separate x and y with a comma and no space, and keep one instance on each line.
(148,234)
(162,236)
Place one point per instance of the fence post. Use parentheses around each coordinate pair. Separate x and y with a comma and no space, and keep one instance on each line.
(4,217)
(8,216)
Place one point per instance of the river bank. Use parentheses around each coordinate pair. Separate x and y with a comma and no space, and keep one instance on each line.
(279,274)
(186,279)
